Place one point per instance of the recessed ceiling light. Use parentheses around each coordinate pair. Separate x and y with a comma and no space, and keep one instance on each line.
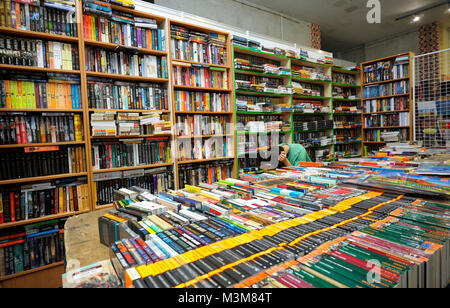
(416,19)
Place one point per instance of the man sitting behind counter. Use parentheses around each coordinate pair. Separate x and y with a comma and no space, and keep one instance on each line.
(288,155)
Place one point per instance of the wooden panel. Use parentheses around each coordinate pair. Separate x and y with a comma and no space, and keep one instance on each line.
(49,276)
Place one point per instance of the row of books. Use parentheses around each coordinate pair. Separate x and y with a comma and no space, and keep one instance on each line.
(38,53)
(380,71)
(44,92)
(198,125)
(307,89)
(130,153)
(202,101)
(386,120)
(104,8)
(210,148)
(251,145)
(28,129)
(54,17)
(43,199)
(155,180)
(124,63)
(107,94)
(344,92)
(31,247)
(376,135)
(250,103)
(124,30)
(307,72)
(190,45)
(344,78)
(301,124)
(16,164)
(304,233)
(198,76)
(309,106)
(111,124)
(347,150)
(211,172)
(395,88)
(388,104)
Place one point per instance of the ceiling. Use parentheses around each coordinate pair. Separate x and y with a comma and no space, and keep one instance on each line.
(343,22)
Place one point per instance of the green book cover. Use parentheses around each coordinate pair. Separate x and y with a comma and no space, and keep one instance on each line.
(18,258)
(337,275)
(314,280)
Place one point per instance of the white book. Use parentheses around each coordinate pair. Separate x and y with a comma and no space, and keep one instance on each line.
(96,158)
(70,160)
(57,55)
(39,54)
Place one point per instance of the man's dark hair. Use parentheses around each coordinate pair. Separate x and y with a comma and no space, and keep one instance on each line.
(267,156)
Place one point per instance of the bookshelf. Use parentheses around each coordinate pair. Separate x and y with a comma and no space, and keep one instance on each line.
(257,106)
(312,106)
(48,275)
(347,111)
(153,87)
(386,91)
(201,108)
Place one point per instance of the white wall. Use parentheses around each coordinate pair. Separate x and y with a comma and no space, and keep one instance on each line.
(382,48)
(246,17)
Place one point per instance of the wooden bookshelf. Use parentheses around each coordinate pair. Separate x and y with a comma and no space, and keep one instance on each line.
(354,87)
(229,90)
(48,276)
(374,145)
(162,23)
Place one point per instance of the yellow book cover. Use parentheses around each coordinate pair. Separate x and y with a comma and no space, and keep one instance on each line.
(84,197)
(78,127)
(71,207)
(61,200)
(8,93)
(94,194)
(13,89)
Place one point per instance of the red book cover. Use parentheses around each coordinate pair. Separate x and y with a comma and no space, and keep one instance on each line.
(1,208)
(56,202)
(19,215)
(110,156)
(13,209)
(23,131)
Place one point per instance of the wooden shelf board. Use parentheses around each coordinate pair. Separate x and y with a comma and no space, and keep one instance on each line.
(254,73)
(39,35)
(134,12)
(203,136)
(385,127)
(42,268)
(259,53)
(112,46)
(43,178)
(129,110)
(187,88)
(383,97)
(127,77)
(39,219)
(174,63)
(131,168)
(204,112)
(9,146)
(381,112)
(202,160)
(128,137)
(385,81)
(37,69)
(256,93)
(40,110)
(313,81)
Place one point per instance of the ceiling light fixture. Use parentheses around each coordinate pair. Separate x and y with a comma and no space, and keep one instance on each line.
(416,19)
(418,13)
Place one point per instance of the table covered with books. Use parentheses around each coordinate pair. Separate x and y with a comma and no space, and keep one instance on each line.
(319,225)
